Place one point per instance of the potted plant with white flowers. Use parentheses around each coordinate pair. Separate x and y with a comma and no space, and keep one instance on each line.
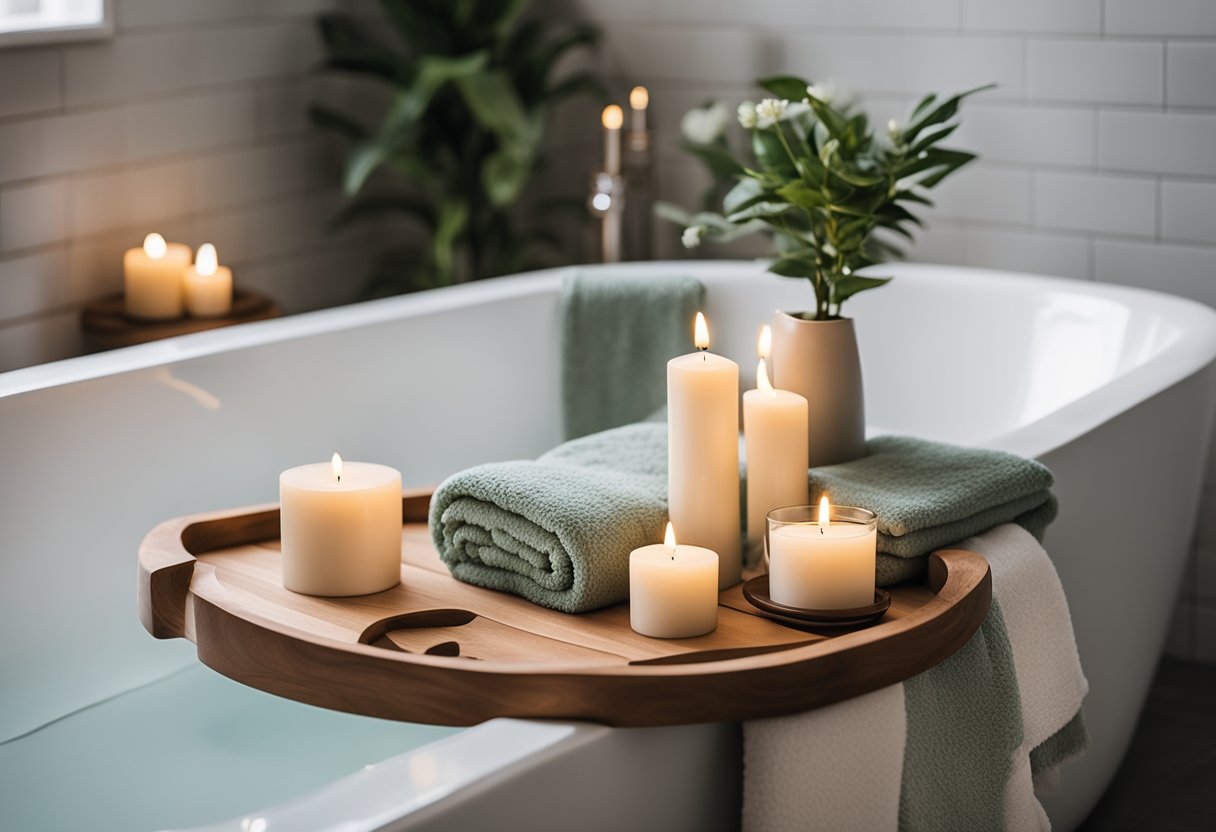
(833,196)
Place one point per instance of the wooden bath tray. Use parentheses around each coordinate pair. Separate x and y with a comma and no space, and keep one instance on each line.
(438,651)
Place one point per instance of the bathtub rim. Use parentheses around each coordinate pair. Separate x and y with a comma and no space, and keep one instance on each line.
(1191,353)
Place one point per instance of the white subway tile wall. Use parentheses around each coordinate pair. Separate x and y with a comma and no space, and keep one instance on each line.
(1098,148)
(190,121)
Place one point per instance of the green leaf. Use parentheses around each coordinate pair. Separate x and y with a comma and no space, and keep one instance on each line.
(747,192)
(453,217)
(785,86)
(802,195)
(407,108)
(796,265)
(772,154)
(931,138)
(760,210)
(845,286)
(504,175)
(836,125)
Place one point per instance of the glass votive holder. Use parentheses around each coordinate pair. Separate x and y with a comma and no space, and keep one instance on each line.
(818,565)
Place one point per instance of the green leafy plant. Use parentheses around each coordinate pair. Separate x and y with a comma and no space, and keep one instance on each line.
(472,86)
(822,183)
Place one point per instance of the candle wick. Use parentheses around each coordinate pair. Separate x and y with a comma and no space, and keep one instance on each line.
(821,529)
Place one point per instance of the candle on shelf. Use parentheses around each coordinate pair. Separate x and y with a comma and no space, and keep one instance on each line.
(208,285)
(775,434)
(824,562)
(152,278)
(612,118)
(703,452)
(341,528)
(673,590)
(639,101)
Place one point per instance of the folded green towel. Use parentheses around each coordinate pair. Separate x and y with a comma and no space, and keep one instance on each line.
(928,495)
(618,333)
(557,531)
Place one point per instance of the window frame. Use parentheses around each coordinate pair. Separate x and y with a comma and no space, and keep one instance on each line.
(62,34)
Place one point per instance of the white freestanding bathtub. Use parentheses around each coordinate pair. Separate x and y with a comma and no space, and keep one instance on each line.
(1110,387)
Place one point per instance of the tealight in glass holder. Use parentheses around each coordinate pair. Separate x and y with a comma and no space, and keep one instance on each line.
(821,557)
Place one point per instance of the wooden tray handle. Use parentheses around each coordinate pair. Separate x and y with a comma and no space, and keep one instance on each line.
(167,555)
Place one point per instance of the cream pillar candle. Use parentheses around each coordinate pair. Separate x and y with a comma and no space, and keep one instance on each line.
(822,565)
(703,453)
(152,278)
(673,590)
(207,285)
(612,118)
(775,433)
(341,528)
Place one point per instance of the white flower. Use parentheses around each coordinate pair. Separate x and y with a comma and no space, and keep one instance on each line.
(824,92)
(770,111)
(691,238)
(704,125)
(747,114)
(895,132)
(796,108)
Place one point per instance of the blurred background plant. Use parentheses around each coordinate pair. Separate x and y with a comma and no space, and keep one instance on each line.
(819,181)
(473,85)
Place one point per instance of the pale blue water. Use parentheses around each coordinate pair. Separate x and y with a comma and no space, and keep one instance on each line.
(190,749)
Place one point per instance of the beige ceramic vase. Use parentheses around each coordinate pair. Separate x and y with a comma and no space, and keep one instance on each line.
(819,360)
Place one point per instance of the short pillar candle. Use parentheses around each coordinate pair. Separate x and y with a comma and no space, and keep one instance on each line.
(341,528)
(152,279)
(824,562)
(208,285)
(673,589)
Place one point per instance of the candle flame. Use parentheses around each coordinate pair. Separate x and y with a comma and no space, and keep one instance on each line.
(154,246)
(336,462)
(206,261)
(613,117)
(639,98)
(825,512)
(764,341)
(669,539)
(701,333)
(762,382)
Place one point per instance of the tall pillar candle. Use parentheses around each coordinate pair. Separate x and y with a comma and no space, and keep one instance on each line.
(775,433)
(341,528)
(152,279)
(613,117)
(703,453)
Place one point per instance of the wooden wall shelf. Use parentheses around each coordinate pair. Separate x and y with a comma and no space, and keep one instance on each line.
(438,651)
(107,326)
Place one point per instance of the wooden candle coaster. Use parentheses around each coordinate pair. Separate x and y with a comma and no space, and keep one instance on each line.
(107,326)
(756,592)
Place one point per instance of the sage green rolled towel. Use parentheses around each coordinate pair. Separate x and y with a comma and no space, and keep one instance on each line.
(618,333)
(928,495)
(558,530)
